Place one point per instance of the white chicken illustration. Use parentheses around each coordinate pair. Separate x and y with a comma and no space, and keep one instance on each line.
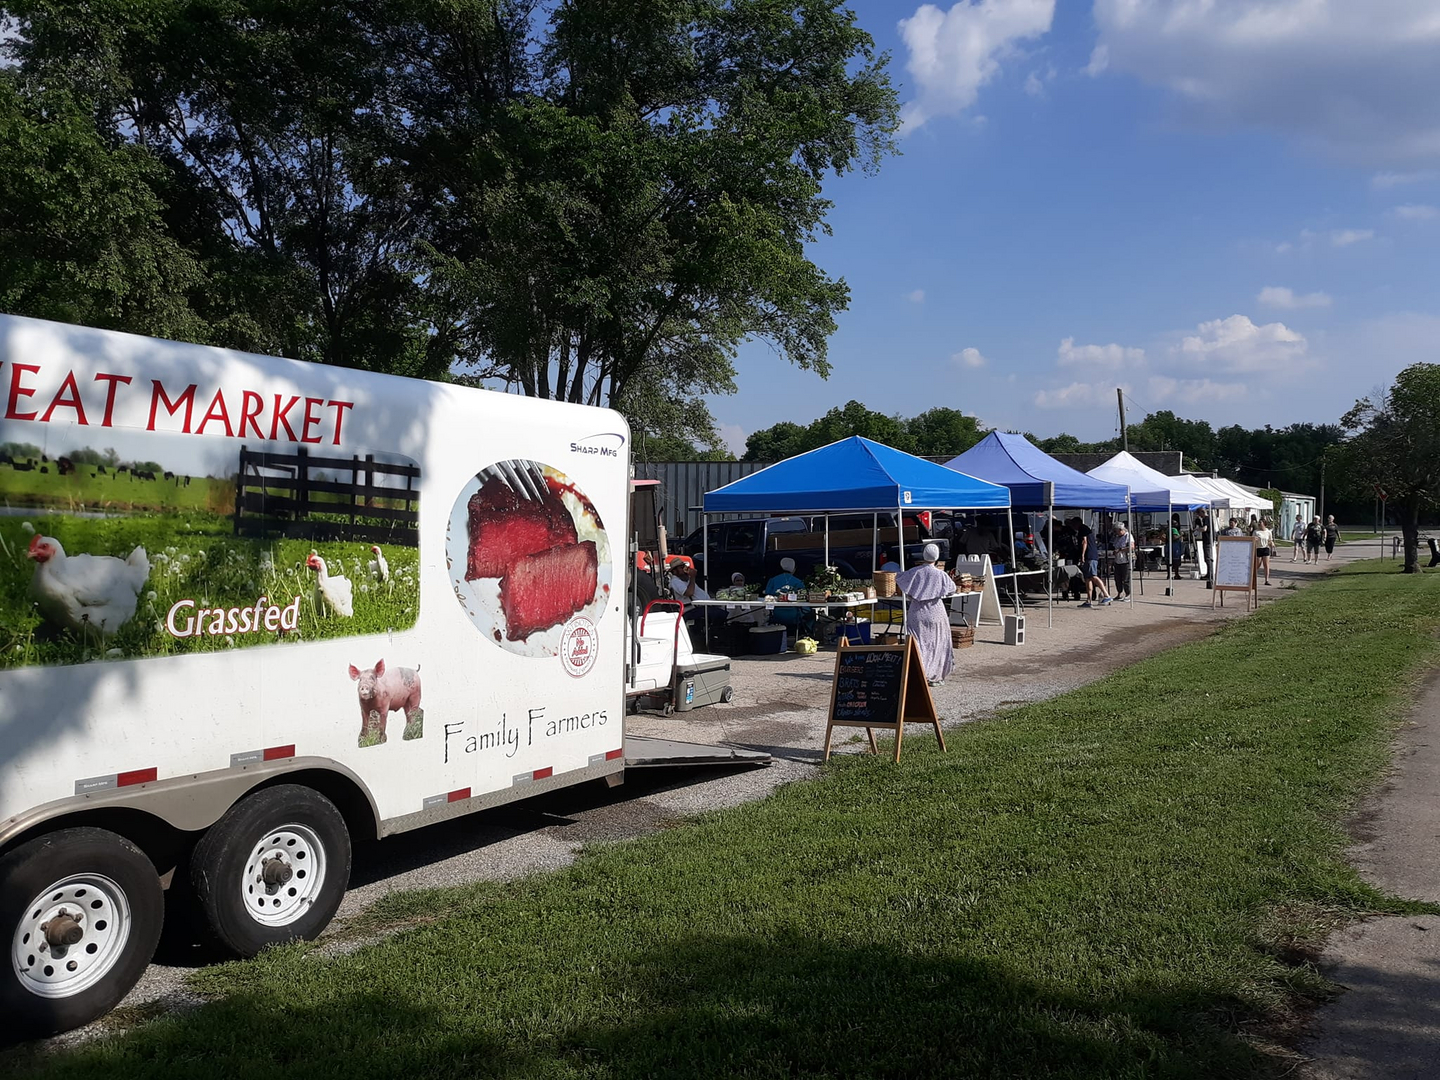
(332,593)
(93,595)
(379,568)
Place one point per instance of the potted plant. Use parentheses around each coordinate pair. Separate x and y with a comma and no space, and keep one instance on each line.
(823,581)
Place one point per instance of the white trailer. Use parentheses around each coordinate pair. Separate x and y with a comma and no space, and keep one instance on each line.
(252,607)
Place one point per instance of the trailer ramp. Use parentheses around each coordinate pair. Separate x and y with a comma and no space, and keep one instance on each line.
(642,751)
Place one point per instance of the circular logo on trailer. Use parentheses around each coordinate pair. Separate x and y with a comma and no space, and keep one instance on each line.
(579,645)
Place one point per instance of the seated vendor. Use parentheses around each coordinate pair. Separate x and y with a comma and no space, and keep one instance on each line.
(686,589)
(785,582)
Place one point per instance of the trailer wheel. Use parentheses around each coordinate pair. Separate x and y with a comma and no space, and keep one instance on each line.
(727,695)
(84,909)
(273,869)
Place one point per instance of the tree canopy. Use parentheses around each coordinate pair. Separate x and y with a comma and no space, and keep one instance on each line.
(936,431)
(1394,449)
(587,200)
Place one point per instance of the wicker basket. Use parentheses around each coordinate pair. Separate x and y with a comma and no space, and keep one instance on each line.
(884,583)
(962,637)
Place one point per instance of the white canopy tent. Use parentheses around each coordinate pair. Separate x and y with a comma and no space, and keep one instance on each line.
(1244,498)
(1151,491)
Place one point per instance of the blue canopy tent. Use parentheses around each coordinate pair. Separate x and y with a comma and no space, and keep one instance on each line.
(854,475)
(1035,479)
(1038,482)
(849,476)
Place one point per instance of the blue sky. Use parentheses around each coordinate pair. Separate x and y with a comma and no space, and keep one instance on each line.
(1231,209)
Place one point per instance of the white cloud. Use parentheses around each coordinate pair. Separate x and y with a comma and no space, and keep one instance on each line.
(733,436)
(1110,357)
(1099,60)
(1078,396)
(1358,80)
(1384,180)
(1158,390)
(970,358)
(916,297)
(1308,238)
(954,53)
(1237,345)
(1416,212)
(1033,86)
(1277,296)
(1346,237)
(1191,392)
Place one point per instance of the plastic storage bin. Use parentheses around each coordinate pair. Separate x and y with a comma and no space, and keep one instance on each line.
(767,640)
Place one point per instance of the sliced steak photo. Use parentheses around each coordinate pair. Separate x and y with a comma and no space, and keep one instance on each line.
(545,588)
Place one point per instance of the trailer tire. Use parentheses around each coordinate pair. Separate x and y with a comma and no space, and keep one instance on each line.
(273,869)
(109,894)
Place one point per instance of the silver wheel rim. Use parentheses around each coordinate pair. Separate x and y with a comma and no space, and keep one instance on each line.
(283,876)
(71,936)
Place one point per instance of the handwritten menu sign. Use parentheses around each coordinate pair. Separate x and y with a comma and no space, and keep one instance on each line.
(880,686)
(869,684)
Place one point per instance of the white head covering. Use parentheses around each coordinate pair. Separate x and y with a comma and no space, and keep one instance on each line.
(932,552)
(788,565)
(736,578)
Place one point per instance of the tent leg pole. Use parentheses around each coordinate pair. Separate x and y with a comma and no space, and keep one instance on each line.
(1135,548)
(1050,570)
(900,536)
(1010,543)
(705,547)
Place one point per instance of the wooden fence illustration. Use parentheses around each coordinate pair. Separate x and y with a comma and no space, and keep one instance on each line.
(292,495)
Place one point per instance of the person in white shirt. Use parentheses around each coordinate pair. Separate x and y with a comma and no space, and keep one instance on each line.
(1264,546)
(1122,544)
(686,589)
(1297,536)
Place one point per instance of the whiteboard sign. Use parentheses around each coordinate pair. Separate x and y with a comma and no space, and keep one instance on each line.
(1235,567)
(1234,561)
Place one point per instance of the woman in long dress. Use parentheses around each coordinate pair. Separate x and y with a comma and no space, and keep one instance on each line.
(925,588)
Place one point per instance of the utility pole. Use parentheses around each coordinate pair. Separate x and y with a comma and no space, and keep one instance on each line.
(1322,488)
(1124,435)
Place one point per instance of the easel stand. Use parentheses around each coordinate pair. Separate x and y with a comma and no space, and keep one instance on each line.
(880,687)
(1236,570)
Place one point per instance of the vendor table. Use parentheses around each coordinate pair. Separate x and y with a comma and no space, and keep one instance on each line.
(760,603)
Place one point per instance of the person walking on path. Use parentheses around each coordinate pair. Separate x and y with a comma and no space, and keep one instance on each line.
(1313,533)
(1123,548)
(1297,539)
(1177,546)
(1332,534)
(1264,547)
(925,588)
(1090,565)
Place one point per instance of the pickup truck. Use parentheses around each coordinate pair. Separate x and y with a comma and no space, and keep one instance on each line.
(755,546)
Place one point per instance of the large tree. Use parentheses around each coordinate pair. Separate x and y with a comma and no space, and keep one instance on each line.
(588,200)
(644,204)
(1394,447)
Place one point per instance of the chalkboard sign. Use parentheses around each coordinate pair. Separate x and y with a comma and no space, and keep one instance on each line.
(869,684)
(1234,567)
(880,686)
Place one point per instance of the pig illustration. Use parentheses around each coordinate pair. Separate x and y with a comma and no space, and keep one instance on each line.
(383,691)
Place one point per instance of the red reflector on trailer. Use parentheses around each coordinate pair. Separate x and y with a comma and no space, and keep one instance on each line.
(542,774)
(135,776)
(611,755)
(275,753)
(456,796)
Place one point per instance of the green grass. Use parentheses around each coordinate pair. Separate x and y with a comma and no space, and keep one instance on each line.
(87,489)
(1123,881)
(193,556)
